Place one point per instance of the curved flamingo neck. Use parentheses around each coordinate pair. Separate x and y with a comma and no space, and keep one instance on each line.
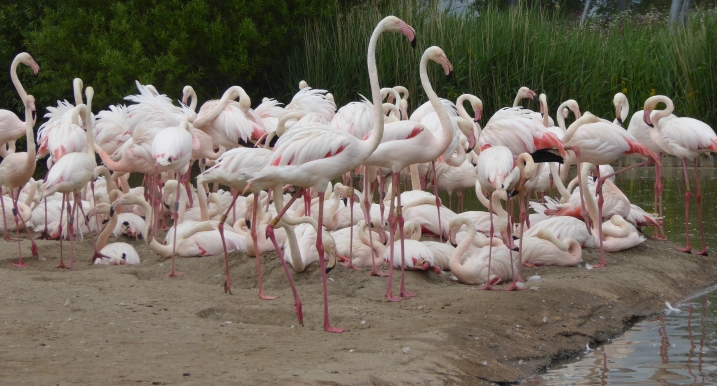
(374,138)
(587,118)
(193,97)
(16,80)
(446,124)
(363,230)
(202,198)
(461,249)
(544,109)
(89,125)
(30,135)
(659,114)
(77,87)
(564,193)
(589,199)
(229,95)
(559,116)
(281,125)
(105,235)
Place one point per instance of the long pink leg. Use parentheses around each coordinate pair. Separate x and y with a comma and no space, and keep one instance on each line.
(45,235)
(514,286)
(71,230)
(688,195)
(227,277)
(17,226)
(297,302)
(322,264)
(583,212)
(438,204)
(367,218)
(4,219)
(659,229)
(62,210)
(175,217)
(399,217)
(488,285)
(391,237)
(270,235)
(351,233)
(254,239)
(381,194)
(702,252)
(34,245)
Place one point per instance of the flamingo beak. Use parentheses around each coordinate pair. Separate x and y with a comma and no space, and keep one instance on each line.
(646,117)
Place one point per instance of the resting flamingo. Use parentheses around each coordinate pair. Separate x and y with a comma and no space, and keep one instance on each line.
(469,263)
(545,249)
(686,138)
(312,155)
(16,170)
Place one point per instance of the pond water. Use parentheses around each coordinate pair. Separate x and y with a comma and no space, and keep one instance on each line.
(678,348)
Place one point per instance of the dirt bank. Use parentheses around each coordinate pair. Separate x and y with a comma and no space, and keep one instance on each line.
(132,325)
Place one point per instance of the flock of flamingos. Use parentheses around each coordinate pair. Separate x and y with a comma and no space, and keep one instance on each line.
(306,145)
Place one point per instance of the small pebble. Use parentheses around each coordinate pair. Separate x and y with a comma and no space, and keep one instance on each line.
(406,350)
(186,374)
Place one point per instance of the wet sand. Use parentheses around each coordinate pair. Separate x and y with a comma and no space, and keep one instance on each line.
(125,325)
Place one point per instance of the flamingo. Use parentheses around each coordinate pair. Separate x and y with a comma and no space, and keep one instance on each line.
(115,253)
(11,127)
(230,123)
(172,149)
(361,253)
(686,138)
(407,143)
(418,255)
(601,142)
(71,173)
(312,155)
(470,265)
(546,249)
(16,170)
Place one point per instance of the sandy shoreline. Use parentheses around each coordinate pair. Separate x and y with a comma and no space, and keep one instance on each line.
(131,325)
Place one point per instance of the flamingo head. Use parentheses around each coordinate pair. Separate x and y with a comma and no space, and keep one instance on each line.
(27,60)
(646,116)
(185,94)
(437,55)
(525,92)
(622,107)
(394,24)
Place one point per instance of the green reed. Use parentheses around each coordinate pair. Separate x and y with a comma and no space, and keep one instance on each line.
(495,52)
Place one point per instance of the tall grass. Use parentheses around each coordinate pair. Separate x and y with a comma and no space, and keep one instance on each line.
(496,52)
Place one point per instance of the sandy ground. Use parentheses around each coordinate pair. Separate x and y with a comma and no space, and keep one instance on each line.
(132,325)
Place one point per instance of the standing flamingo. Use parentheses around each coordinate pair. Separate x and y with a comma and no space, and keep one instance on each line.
(172,149)
(686,138)
(16,170)
(71,173)
(411,143)
(313,154)
(11,127)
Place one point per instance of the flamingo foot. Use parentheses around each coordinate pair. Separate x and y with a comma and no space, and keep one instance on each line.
(703,252)
(686,249)
(378,273)
(392,298)
(61,265)
(407,294)
(487,287)
(45,235)
(267,297)
(175,274)
(350,266)
(515,287)
(529,265)
(601,265)
(660,237)
(335,330)
(19,264)
(228,286)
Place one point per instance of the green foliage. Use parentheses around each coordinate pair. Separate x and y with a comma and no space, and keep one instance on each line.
(209,44)
(495,52)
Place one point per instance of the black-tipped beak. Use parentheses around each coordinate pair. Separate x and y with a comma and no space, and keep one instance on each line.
(536,99)
(242,142)
(328,269)
(651,125)
(87,218)
(454,245)
(515,237)
(470,149)
(516,249)
(248,224)
(619,120)
(105,221)
(413,42)
(112,211)
(476,121)
(346,201)
(449,77)
(512,193)
(542,115)
(272,143)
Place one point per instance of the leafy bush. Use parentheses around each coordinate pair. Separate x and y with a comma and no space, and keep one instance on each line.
(209,44)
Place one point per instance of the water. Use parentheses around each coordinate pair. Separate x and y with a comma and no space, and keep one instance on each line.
(675,349)
(679,348)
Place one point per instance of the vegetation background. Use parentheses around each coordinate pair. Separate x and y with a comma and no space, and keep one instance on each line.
(267,46)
